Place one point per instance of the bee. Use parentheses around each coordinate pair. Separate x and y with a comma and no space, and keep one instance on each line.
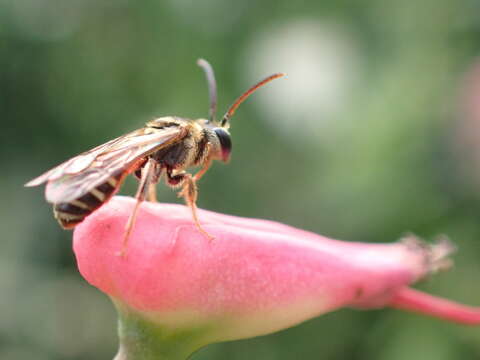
(166,146)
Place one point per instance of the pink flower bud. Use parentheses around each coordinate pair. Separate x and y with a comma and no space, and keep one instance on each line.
(254,278)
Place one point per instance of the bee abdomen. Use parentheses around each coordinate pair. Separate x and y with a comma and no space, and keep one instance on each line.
(70,214)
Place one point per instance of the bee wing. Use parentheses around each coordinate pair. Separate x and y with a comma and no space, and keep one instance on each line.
(77,163)
(84,160)
(74,178)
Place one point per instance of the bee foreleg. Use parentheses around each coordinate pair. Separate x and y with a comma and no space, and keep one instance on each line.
(148,175)
(203,170)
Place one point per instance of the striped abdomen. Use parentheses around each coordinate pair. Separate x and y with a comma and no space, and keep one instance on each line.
(70,214)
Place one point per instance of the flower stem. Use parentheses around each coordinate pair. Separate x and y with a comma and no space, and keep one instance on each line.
(142,339)
(414,300)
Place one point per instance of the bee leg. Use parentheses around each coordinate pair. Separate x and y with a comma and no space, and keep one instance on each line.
(152,192)
(203,170)
(148,174)
(152,187)
(207,162)
(190,193)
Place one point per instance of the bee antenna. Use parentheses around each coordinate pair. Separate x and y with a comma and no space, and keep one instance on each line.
(212,87)
(245,95)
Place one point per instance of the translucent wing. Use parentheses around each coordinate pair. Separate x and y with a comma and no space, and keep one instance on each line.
(79,175)
(71,166)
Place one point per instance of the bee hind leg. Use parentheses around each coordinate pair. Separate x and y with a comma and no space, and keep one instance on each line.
(147,181)
(152,186)
(152,192)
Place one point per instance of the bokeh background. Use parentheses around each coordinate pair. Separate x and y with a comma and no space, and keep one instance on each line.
(375,132)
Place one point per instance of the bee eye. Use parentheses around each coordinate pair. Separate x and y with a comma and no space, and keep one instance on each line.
(225,142)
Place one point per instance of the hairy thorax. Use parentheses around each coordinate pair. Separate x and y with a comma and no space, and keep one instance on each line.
(199,142)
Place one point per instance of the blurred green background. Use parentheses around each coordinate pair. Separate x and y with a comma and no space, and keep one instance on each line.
(375,132)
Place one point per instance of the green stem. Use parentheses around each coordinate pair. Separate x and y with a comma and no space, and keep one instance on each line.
(142,339)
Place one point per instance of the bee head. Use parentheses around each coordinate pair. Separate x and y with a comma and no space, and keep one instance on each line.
(225,141)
